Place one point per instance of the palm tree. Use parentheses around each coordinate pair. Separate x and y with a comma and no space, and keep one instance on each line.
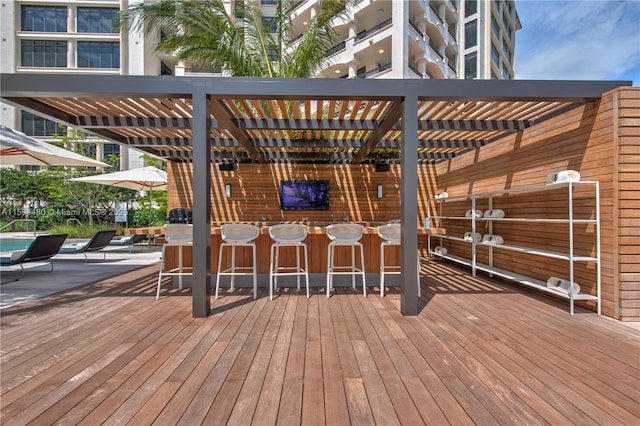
(244,43)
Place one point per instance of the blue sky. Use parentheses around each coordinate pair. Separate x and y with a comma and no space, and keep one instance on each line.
(578,40)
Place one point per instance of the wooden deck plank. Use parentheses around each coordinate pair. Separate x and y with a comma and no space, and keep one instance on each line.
(480,352)
(335,403)
(544,357)
(214,381)
(313,412)
(269,401)
(69,366)
(245,406)
(405,409)
(359,407)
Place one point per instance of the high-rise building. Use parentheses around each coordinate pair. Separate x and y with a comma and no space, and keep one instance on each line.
(377,39)
(71,37)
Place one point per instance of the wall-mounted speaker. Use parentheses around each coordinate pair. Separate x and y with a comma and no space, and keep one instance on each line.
(382,167)
(226,167)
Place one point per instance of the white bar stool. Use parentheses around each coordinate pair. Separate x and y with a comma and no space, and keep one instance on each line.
(177,235)
(345,234)
(287,235)
(238,235)
(390,233)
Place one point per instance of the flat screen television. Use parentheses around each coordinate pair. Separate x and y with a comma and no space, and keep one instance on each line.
(304,194)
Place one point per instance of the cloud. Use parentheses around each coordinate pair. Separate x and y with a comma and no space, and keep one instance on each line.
(578,40)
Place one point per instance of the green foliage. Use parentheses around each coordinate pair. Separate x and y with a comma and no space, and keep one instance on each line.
(49,197)
(81,231)
(204,34)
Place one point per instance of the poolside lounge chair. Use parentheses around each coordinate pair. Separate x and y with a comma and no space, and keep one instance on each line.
(98,242)
(127,240)
(44,247)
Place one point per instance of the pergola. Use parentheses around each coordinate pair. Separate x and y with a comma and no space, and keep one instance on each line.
(332,121)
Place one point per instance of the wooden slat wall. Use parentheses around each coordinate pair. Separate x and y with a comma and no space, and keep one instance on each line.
(255,193)
(627,140)
(601,146)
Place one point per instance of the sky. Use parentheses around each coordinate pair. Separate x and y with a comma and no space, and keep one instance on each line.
(578,40)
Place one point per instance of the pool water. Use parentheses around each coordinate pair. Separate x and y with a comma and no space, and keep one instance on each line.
(14,244)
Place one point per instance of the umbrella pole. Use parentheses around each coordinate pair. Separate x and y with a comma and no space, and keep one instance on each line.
(150,189)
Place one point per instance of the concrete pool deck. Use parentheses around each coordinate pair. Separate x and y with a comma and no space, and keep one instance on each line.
(69,271)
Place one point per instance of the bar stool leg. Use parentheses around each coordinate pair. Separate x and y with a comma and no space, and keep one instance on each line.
(329,269)
(353,266)
(306,268)
(233,266)
(275,266)
(271,269)
(180,267)
(364,279)
(297,248)
(382,269)
(255,272)
(162,259)
(419,289)
(219,269)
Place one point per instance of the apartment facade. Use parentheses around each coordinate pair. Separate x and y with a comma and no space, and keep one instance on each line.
(414,39)
(70,37)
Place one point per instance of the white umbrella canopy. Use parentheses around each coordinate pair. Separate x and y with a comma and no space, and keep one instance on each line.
(144,178)
(18,149)
(141,179)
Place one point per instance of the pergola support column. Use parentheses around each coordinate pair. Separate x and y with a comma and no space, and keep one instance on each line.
(409,206)
(201,290)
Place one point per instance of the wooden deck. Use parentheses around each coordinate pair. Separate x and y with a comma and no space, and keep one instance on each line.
(481,352)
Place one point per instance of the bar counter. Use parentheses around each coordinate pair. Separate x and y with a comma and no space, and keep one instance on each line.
(316,241)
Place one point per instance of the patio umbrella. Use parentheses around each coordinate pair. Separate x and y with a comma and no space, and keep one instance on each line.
(142,179)
(18,149)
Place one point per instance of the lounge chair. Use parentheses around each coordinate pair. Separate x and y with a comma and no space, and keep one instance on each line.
(98,242)
(127,240)
(44,247)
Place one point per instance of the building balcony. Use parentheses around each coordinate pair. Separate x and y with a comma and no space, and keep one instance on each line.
(362,35)
(415,70)
(375,71)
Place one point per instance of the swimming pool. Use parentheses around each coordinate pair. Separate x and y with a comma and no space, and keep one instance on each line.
(8,244)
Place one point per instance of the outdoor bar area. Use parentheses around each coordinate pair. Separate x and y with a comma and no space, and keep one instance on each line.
(438,157)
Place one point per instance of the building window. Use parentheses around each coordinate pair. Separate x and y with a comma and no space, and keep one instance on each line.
(495,29)
(50,19)
(471,33)
(96,20)
(471,66)
(495,56)
(43,53)
(34,125)
(470,7)
(111,151)
(94,54)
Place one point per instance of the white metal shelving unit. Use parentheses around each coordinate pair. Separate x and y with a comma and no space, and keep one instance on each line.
(568,256)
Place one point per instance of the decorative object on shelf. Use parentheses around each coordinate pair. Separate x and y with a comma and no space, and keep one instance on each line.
(563,177)
(441,195)
(492,239)
(440,250)
(494,214)
(427,223)
(470,213)
(562,285)
(471,236)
